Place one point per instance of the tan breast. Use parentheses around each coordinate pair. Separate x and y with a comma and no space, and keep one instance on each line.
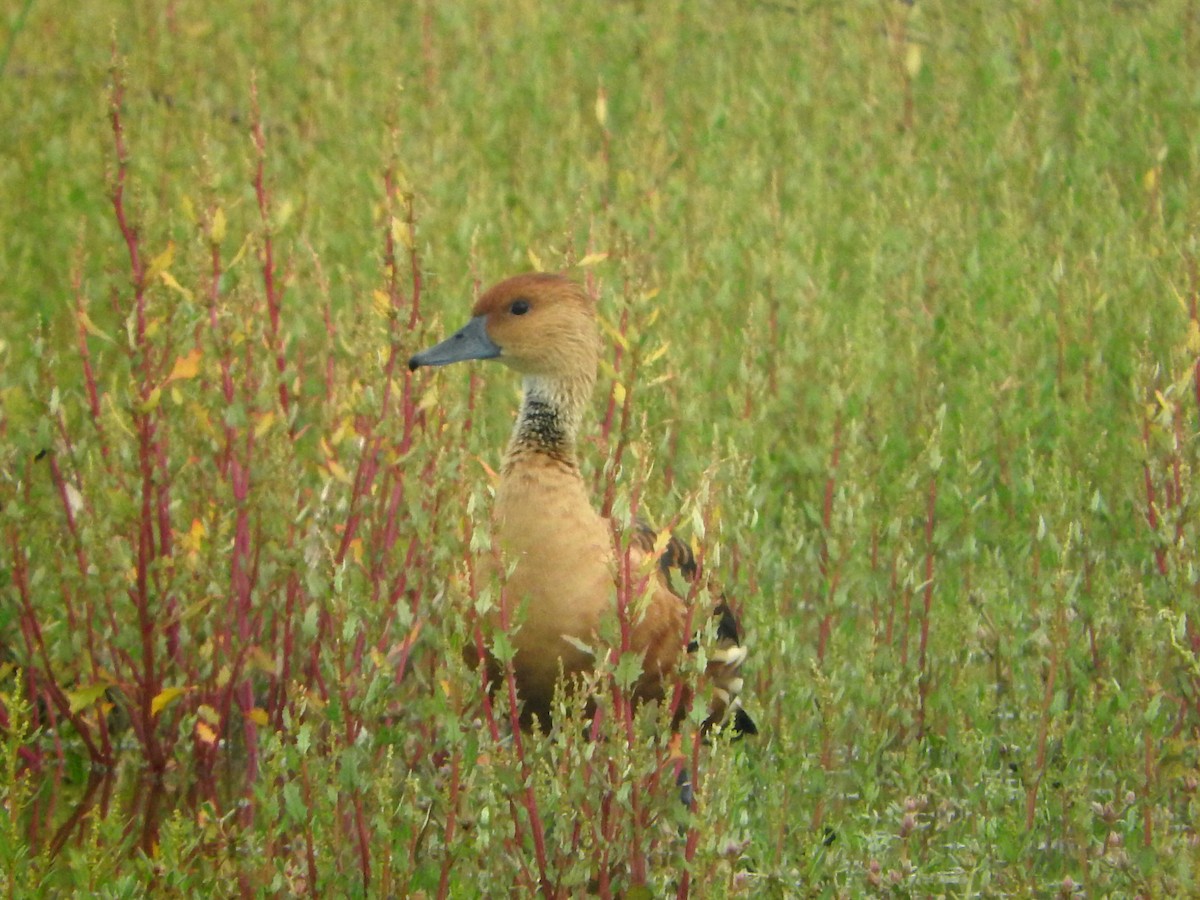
(561,580)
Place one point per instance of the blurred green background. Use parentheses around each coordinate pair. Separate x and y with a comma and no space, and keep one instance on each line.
(926,276)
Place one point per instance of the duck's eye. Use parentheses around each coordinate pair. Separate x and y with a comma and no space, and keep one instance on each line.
(519,307)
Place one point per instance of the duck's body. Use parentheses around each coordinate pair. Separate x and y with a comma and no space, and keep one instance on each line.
(556,550)
(561,568)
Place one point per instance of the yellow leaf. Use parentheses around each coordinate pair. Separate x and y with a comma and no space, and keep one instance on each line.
(85,697)
(402,233)
(208,714)
(262,661)
(618,392)
(237,257)
(151,403)
(535,261)
(660,543)
(164,697)
(430,398)
(188,208)
(1193,337)
(285,213)
(114,414)
(1150,180)
(614,334)
(402,184)
(194,539)
(344,429)
(492,475)
(383,304)
(264,424)
(187,366)
(160,263)
(216,232)
(912,60)
(258,716)
(338,471)
(676,747)
(356,550)
(169,280)
(90,327)
(602,107)
(74,497)
(591,259)
(657,354)
(206,733)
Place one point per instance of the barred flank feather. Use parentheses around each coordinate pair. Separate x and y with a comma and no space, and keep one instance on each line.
(728,654)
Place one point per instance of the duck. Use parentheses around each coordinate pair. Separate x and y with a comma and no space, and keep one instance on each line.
(555,554)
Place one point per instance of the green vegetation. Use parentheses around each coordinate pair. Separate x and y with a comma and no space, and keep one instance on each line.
(903,304)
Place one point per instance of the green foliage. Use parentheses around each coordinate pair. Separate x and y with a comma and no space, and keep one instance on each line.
(902,304)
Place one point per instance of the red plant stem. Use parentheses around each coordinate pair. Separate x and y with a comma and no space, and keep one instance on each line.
(630,587)
(610,410)
(144,422)
(529,797)
(310,855)
(33,631)
(692,842)
(610,492)
(830,579)
(451,824)
(72,529)
(362,835)
(166,545)
(273,285)
(1043,732)
(128,232)
(414,263)
(1160,555)
(89,375)
(1177,467)
(239,637)
(330,333)
(893,583)
(291,601)
(1196,384)
(368,466)
(608,830)
(923,674)
(1147,806)
(481,653)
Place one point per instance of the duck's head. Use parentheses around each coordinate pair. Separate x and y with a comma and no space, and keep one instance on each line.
(540,324)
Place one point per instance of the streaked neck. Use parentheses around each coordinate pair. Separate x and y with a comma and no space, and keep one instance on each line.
(548,423)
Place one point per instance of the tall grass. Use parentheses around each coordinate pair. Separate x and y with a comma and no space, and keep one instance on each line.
(902,311)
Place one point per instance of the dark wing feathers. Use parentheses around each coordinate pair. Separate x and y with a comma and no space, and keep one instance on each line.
(675,555)
(728,654)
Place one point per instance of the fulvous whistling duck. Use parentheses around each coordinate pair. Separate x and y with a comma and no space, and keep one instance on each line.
(557,550)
